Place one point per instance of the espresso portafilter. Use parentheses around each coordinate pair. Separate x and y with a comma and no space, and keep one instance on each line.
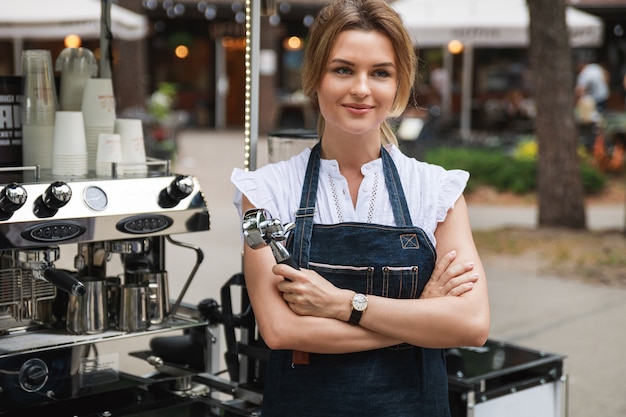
(260,230)
(40,261)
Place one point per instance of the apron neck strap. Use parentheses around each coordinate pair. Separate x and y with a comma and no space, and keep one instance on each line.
(401,213)
(304,215)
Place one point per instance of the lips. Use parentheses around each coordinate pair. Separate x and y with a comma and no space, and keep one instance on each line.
(358,108)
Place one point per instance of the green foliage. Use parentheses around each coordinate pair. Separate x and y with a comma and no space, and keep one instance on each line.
(491,166)
(161,101)
(593,180)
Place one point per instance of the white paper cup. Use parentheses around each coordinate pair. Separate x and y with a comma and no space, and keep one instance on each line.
(133,147)
(91,137)
(98,105)
(70,165)
(109,151)
(69,134)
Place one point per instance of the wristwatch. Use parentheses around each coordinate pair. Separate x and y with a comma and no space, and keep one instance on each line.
(359,304)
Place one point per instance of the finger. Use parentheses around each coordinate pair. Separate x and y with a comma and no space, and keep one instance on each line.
(462,283)
(461,289)
(455,271)
(293,307)
(283,286)
(442,265)
(281,269)
(284,271)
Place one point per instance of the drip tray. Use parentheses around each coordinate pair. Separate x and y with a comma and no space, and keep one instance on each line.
(155,400)
(18,342)
(132,402)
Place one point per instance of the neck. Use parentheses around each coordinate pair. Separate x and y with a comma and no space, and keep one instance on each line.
(350,151)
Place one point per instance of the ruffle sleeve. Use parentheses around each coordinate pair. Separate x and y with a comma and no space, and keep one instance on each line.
(271,186)
(452,186)
(431,190)
(249,183)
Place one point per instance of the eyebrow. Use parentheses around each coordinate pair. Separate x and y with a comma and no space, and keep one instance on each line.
(346,62)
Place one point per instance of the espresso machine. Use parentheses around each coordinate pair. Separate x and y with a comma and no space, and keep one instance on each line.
(54,317)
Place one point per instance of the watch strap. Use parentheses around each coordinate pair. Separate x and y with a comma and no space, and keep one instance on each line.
(355,317)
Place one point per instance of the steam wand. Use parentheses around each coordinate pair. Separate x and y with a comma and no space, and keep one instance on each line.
(192,274)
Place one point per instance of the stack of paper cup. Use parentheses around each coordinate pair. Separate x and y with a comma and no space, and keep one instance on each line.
(98,107)
(109,151)
(38,108)
(69,150)
(133,147)
(76,66)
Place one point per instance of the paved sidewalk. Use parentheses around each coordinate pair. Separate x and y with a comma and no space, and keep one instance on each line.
(599,217)
(584,322)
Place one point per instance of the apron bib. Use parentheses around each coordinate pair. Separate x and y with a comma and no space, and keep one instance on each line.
(388,261)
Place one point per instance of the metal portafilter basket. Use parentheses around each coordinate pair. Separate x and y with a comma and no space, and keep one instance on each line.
(260,230)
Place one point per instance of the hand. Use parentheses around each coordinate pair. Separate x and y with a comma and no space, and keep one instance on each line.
(307,293)
(450,279)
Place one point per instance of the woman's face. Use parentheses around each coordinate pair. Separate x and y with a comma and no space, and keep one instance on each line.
(359,85)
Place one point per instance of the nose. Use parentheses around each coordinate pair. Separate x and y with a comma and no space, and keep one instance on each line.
(360,87)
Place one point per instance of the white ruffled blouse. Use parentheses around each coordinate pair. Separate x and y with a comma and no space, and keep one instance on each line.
(430,191)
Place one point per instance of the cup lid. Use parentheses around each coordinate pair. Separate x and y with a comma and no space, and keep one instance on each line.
(77,61)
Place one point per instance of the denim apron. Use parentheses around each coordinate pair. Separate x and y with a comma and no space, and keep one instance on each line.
(387,261)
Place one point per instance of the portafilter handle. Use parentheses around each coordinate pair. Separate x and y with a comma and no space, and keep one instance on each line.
(280,252)
(64,281)
(260,230)
(40,261)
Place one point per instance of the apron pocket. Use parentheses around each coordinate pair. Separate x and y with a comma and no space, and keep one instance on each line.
(355,278)
(386,281)
(401,282)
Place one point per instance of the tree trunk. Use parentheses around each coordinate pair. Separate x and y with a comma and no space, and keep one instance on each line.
(559,182)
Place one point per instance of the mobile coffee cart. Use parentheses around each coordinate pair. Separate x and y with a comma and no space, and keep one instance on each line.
(44,368)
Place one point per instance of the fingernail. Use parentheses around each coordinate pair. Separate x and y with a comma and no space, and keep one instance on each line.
(471,264)
(452,253)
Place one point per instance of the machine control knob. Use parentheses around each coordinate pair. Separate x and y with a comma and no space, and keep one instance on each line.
(12,197)
(33,375)
(56,196)
(180,188)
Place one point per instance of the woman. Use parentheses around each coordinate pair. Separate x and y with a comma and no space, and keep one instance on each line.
(368,304)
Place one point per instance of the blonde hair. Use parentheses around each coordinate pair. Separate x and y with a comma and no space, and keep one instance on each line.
(367,15)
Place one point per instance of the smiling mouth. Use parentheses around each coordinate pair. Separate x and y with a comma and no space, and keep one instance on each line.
(358,107)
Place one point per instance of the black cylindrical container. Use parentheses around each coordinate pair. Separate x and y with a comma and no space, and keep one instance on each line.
(10,121)
(10,126)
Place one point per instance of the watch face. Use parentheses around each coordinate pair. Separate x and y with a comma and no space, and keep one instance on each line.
(359,302)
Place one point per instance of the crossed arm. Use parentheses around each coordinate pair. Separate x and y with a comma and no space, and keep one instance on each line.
(308,313)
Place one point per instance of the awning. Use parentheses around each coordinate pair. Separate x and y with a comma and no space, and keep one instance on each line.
(55,19)
(486,23)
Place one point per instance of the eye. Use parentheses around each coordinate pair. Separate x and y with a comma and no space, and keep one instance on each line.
(342,70)
(382,73)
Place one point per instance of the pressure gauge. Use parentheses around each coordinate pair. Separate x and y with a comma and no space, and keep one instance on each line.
(95,198)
